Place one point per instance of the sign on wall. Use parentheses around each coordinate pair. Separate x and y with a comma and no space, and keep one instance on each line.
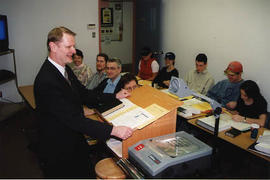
(112,22)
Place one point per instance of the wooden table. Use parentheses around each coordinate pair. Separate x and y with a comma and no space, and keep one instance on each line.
(27,92)
(243,140)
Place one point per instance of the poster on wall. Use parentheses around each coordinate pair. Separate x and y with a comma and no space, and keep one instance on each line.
(112,22)
(106,17)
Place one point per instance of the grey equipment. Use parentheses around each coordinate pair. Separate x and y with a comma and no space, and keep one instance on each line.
(179,150)
(180,88)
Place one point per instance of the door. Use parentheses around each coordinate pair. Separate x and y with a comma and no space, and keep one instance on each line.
(147,27)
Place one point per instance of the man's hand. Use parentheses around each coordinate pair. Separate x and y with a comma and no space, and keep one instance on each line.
(122,94)
(231,105)
(122,132)
(87,111)
(167,83)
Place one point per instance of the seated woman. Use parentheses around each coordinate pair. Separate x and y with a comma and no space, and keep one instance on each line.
(81,70)
(164,76)
(251,107)
(129,82)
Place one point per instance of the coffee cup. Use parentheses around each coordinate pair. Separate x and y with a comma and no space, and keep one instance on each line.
(254,131)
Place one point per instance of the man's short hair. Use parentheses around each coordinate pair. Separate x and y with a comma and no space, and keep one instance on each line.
(56,35)
(201,58)
(103,55)
(145,51)
(116,60)
(126,78)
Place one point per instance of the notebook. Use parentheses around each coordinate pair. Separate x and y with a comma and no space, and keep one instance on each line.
(209,122)
(105,108)
(225,122)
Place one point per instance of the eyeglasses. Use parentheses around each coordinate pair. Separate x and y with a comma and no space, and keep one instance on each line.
(111,68)
(131,88)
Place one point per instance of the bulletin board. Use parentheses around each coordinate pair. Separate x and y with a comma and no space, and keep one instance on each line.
(112,22)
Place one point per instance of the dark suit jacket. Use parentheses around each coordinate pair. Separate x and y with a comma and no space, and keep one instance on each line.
(100,88)
(61,119)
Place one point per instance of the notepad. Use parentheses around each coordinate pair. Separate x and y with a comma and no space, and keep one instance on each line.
(134,116)
(262,145)
(209,122)
(225,122)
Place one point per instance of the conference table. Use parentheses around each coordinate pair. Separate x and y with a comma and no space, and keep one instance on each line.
(243,141)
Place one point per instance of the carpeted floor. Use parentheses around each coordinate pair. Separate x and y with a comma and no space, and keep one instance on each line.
(16,160)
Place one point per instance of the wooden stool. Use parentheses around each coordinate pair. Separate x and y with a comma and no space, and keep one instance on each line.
(108,169)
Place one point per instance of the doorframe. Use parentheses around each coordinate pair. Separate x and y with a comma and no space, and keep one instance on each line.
(133,60)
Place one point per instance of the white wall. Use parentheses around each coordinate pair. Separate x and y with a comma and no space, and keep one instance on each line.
(122,49)
(225,30)
(29,22)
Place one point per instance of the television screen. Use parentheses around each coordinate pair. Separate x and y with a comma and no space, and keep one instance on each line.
(2,30)
(4,43)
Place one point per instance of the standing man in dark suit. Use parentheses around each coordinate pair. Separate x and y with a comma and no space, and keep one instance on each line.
(59,98)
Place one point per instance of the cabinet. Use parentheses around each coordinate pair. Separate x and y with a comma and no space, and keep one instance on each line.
(6,75)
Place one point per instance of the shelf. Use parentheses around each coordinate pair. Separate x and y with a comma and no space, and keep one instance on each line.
(6,75)
(7,80)
(7,52)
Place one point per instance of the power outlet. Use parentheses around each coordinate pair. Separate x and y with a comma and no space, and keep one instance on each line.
(1,94)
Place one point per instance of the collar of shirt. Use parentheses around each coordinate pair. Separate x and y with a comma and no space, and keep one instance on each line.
(101,73)
(79,67)
(109,81)
(204,71)
(59,67)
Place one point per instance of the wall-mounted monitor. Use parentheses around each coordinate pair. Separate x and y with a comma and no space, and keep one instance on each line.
(4,42)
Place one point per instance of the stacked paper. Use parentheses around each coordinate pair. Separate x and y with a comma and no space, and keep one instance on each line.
(263,142)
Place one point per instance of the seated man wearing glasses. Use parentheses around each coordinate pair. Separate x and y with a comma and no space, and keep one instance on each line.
(113,83)
(227,91)
(129,82)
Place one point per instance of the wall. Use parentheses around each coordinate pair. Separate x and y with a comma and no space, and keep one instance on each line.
(29,22)
(122,49)
(225,30)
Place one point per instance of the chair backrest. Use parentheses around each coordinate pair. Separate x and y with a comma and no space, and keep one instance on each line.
(267,122)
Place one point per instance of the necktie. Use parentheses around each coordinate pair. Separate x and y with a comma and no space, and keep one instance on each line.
(66,76)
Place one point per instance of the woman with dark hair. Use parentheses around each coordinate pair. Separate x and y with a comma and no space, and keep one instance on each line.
(82,71)
(251,106)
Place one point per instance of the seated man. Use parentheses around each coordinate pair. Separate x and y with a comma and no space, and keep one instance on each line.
(148,66)
(164,76)
(81,70)
(112,84)
(227,90)
(200,80)
(100,75)
(129,82)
